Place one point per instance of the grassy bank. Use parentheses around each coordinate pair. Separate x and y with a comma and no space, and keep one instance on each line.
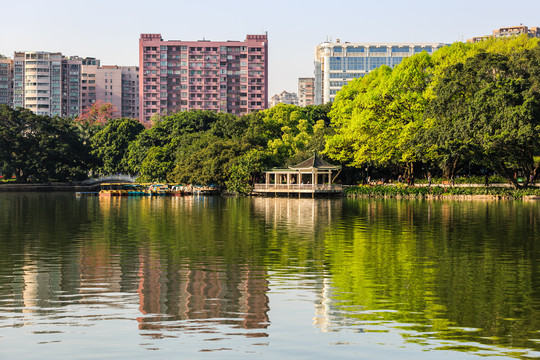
(420,192)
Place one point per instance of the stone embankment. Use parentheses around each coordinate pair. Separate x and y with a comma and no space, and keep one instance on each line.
(57,187)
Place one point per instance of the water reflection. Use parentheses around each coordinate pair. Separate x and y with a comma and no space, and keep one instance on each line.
(459,276)
(234,296)
(460,273)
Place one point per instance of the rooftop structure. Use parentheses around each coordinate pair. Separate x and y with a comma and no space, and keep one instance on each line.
(284,98)
(533,32)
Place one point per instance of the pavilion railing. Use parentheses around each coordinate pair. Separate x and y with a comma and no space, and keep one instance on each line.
(292,187)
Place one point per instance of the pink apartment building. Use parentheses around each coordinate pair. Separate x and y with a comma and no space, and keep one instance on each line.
(225,76)
(118,85)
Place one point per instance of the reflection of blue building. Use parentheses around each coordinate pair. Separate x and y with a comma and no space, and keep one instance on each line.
(338,63)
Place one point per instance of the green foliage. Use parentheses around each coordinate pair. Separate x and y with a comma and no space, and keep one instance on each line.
(493,179)
(488,110)
(422,191)
(243,171)
(110,144)
(41,148)
(294,132)
(376,117)
(466,104)
(202,147)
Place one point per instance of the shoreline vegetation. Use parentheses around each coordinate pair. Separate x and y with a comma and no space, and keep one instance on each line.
(440,192)
(467,112)
(386,191)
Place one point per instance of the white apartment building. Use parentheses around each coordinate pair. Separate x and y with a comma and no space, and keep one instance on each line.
(338,63)
(284,97)
(47,83)
(37,82)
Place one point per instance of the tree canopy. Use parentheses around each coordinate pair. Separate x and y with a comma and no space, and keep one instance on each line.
(41,148)
(487,110)
(465,103)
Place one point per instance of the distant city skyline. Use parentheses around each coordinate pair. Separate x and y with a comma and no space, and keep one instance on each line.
(110,30)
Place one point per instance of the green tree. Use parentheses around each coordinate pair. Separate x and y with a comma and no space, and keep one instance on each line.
(244,171)
(377,116)
(110,144)
(292,132)
(489,107)
(40,147)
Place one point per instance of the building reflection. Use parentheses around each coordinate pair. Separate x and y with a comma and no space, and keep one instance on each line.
(223,294)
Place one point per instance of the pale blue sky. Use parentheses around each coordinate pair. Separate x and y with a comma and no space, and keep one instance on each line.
(109,30)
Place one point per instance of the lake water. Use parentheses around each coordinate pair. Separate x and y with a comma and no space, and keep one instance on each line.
(232,278)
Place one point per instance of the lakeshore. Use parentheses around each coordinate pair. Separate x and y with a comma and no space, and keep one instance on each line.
(388,191)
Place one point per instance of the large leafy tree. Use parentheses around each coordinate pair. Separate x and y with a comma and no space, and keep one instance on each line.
(377,116)
(111,143)
(489,109)
(40,148)
(294,133)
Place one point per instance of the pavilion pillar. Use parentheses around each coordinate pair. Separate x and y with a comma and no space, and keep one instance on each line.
(288,180)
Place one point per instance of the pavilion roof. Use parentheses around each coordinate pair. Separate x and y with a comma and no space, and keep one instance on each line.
(314,162)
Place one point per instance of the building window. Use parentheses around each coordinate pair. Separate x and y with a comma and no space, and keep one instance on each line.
(359,49)
(335,63)
(375,49)
(400,49)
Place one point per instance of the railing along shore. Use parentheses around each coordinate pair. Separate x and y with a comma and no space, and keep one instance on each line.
(292,187)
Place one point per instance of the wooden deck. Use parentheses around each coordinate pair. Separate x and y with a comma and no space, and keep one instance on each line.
(298,188)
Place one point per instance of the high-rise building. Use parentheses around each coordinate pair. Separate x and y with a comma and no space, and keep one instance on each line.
(533,32)
(47,83)
(6,82)
(71,86)
(338,63)
(88,82)
(226,76)
(37,82)
(284,98)
(51,84)
(118,85)
(306,91)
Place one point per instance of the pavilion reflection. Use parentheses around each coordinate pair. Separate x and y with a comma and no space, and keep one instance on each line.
(299,215)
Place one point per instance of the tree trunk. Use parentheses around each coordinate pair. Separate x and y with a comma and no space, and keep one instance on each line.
(454,165)
(18,175)
(510,177)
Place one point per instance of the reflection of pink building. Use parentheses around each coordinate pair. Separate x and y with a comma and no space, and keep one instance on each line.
(228,295)
(227,76)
